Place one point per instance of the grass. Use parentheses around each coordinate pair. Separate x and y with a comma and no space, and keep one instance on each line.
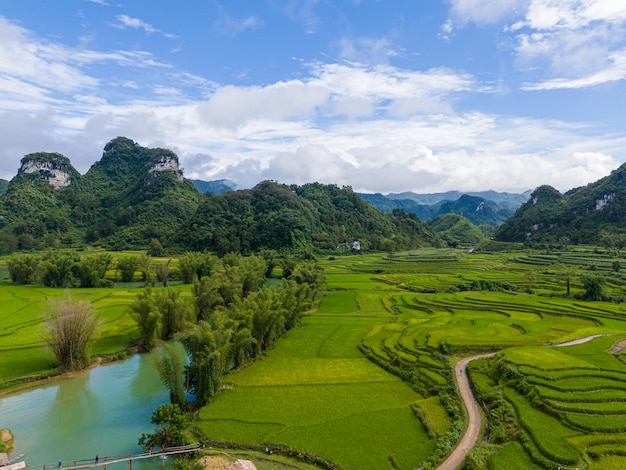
(317,391)
(548,434)
(22,348)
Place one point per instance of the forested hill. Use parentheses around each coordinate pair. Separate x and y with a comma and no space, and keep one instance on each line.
(590,214)
(277,216)
(134,195)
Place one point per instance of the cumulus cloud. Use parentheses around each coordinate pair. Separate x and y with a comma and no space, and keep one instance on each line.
(574,43)
(377,128)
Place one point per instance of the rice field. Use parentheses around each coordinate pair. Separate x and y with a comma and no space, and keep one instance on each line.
(366,381)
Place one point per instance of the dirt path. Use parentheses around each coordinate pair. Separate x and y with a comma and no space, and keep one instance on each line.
(472,432)
(472,409)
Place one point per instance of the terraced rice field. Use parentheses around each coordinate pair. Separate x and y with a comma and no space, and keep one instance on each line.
(366,381)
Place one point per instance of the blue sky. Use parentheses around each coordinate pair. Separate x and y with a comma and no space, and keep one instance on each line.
(382,95)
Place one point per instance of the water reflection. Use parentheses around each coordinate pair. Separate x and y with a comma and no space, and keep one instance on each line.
(102,411)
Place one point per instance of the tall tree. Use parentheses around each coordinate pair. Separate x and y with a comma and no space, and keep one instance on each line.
(168,360)
(148,319)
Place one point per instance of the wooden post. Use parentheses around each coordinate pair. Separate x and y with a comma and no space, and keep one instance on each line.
(130,464)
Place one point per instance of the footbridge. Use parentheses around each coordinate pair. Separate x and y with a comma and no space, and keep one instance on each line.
(102,461)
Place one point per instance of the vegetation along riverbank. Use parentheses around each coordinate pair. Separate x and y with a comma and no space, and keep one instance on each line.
(373,362)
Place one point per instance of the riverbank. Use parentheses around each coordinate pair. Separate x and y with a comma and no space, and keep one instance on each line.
(27,383)
(6,442)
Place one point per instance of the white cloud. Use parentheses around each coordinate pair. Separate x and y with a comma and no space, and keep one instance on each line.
(376,128)
(369,51)
(229,25)
(569,43)
(614,71)
(484,11)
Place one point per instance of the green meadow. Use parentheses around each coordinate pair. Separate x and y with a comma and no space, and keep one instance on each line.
(366,381)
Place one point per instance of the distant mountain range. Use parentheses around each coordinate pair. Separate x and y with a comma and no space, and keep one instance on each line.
(214,186)
(480,208)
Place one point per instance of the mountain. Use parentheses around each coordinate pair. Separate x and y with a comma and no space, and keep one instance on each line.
(276,216)
(478,210)
(503,199)
(31,208)
(455,229)
(130,195)
(387,204)
(134,195)
(215,186)
(581,215)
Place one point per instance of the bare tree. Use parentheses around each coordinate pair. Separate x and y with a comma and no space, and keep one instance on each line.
(70,331)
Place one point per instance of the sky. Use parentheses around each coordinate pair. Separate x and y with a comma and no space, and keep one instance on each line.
(380,95)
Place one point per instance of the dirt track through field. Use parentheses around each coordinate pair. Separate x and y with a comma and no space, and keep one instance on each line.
(472,409)
(472,432)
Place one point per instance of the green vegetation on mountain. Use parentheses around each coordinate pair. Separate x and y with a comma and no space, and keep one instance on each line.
(136,197)
(580,216)
(277,216)
(455,230)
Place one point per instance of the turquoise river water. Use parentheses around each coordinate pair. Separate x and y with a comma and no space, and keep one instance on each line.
(102,411)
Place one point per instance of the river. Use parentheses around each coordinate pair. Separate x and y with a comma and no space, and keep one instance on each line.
(102,411)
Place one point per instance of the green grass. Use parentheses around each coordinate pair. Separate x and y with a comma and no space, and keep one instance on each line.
(315,391)
(436,414)
(548,435)
(22,349)
(318,392)
(511,456)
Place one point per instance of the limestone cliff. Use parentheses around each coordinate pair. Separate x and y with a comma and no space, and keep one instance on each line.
(51,167)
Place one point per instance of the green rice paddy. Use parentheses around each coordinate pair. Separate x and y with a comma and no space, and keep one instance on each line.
(366,381)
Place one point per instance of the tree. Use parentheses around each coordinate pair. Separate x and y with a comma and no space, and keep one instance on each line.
(389,247)
(148,319)
(127,266)
(566,275)
(70,331)
(163,272)
(8,242)
(93,268)
(155,248)
(168,360)
(170,421)
(23,269)
(207,296)
(593,288)
(208,347)
(187,266)
(55,269)
(174,312)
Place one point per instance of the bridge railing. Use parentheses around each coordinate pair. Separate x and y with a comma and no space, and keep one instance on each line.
(103,461)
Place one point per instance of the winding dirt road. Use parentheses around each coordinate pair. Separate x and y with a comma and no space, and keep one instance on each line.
(472,431)
(472,409)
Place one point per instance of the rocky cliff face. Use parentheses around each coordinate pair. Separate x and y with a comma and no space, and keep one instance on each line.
(167,163)
(51,167)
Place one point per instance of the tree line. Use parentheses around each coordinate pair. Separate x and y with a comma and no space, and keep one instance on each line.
(231,319)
